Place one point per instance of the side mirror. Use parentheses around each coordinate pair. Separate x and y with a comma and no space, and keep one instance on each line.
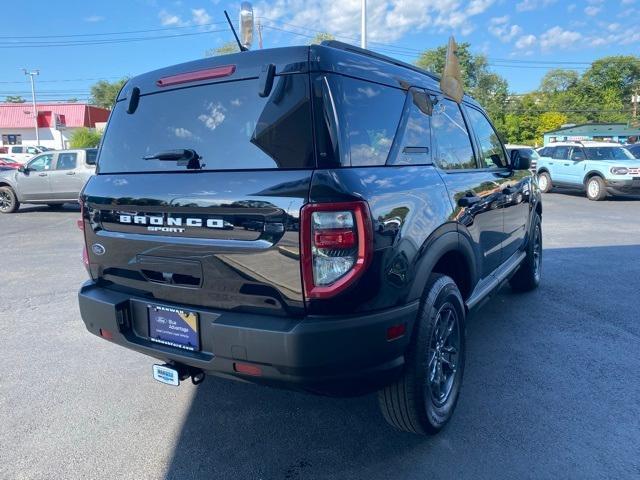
(520,159)
(23,169)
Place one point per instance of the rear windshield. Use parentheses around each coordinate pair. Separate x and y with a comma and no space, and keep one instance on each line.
(607,153)
(228,125)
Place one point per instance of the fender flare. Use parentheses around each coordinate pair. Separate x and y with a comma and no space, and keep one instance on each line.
(443,240)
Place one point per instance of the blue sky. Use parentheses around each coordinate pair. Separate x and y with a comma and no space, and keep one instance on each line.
(522,38)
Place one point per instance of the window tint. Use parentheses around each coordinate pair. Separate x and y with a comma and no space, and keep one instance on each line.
(607,153)
(560,153)
(449,137)
(371,113)
(16,149)
(415,131)
(66,161)
(41,163)
(228,124)
(32,150)
(491,150)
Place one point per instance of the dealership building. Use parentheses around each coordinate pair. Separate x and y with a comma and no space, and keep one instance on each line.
(56,122)
(602,132)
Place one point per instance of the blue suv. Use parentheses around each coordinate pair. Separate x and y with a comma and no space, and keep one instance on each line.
(597,168)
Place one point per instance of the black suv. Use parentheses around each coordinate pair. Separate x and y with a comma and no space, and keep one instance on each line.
(320,218)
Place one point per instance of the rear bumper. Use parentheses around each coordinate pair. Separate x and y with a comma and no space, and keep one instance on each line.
(623,187)
(329,355)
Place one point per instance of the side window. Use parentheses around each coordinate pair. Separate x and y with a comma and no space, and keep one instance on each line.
(92,154)
(32,151)
(450,137)
(415,131)
(577,154)
(66,161)
(491,149)
(560,153)
(41,163)
(16,149)
(371,113)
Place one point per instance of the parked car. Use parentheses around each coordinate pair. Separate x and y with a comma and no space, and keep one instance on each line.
(8,164)
(634,149)
(530,151)
(597,168)
(51,178)
(22,153)
(410,214)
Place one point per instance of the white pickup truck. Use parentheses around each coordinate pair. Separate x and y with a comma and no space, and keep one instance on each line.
(22,153)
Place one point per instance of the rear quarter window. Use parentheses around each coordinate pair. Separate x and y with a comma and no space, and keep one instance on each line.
(370,114)
(228,124)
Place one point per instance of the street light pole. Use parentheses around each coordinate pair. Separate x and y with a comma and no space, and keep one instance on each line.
(31,75)
(363,25)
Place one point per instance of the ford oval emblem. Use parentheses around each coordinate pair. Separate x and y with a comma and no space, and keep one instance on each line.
(98,249)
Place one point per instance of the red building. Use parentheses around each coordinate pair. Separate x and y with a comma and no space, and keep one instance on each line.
(56,122)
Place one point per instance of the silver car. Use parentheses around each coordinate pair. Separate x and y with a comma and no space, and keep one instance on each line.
(50,178)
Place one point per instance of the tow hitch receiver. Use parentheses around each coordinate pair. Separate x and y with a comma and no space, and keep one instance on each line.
(172,374)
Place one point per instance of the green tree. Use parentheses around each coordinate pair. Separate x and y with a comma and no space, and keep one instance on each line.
(559,80)
(548,121)
(84,138)
(321,37)
(14,99)
(224,49)
(104,93)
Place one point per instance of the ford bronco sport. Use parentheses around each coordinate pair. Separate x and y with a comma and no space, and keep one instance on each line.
(319,218)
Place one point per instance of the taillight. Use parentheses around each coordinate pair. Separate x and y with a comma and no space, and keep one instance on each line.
(80,221)
(336,243)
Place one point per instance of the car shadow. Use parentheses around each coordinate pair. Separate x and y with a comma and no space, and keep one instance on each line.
(579,194)
(66,207)
(535,382)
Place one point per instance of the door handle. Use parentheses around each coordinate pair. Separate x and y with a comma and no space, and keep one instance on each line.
(42,174)
(468,200)
(71,173)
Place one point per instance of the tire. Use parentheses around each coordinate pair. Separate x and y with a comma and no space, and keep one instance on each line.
(413,403)
(544,182)
(528,275)
(596,189)
(8,200)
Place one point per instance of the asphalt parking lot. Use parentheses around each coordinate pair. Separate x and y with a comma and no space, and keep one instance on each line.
(552,383)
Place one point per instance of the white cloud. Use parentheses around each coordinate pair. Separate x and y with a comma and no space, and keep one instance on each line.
(571,7)
(528,5)
(628,2)
(592,10)
(94,18)
(525,42)
(499,27)
(200,16)
(387,20)
(557,37)
(170,20)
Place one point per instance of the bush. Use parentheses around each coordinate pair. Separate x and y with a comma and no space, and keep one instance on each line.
(84,138)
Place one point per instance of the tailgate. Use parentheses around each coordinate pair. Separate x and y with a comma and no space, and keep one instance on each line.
(225,240)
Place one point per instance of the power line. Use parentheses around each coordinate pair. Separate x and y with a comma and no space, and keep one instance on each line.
(102,42)
(112,33)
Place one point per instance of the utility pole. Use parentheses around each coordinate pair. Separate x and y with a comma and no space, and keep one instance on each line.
(363,25)
(31,75)
(635,99)
(259,26)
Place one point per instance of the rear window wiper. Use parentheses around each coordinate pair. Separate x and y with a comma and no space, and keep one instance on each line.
(185,157)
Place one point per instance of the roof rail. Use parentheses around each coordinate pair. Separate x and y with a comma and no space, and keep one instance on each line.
(352,48)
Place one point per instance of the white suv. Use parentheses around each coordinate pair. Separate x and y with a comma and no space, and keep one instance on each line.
(22,153)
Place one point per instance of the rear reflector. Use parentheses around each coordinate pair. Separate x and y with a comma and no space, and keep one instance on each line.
(247,369)
(196,76)
(396,331)
(80,223)
(334,238)
(106,334)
